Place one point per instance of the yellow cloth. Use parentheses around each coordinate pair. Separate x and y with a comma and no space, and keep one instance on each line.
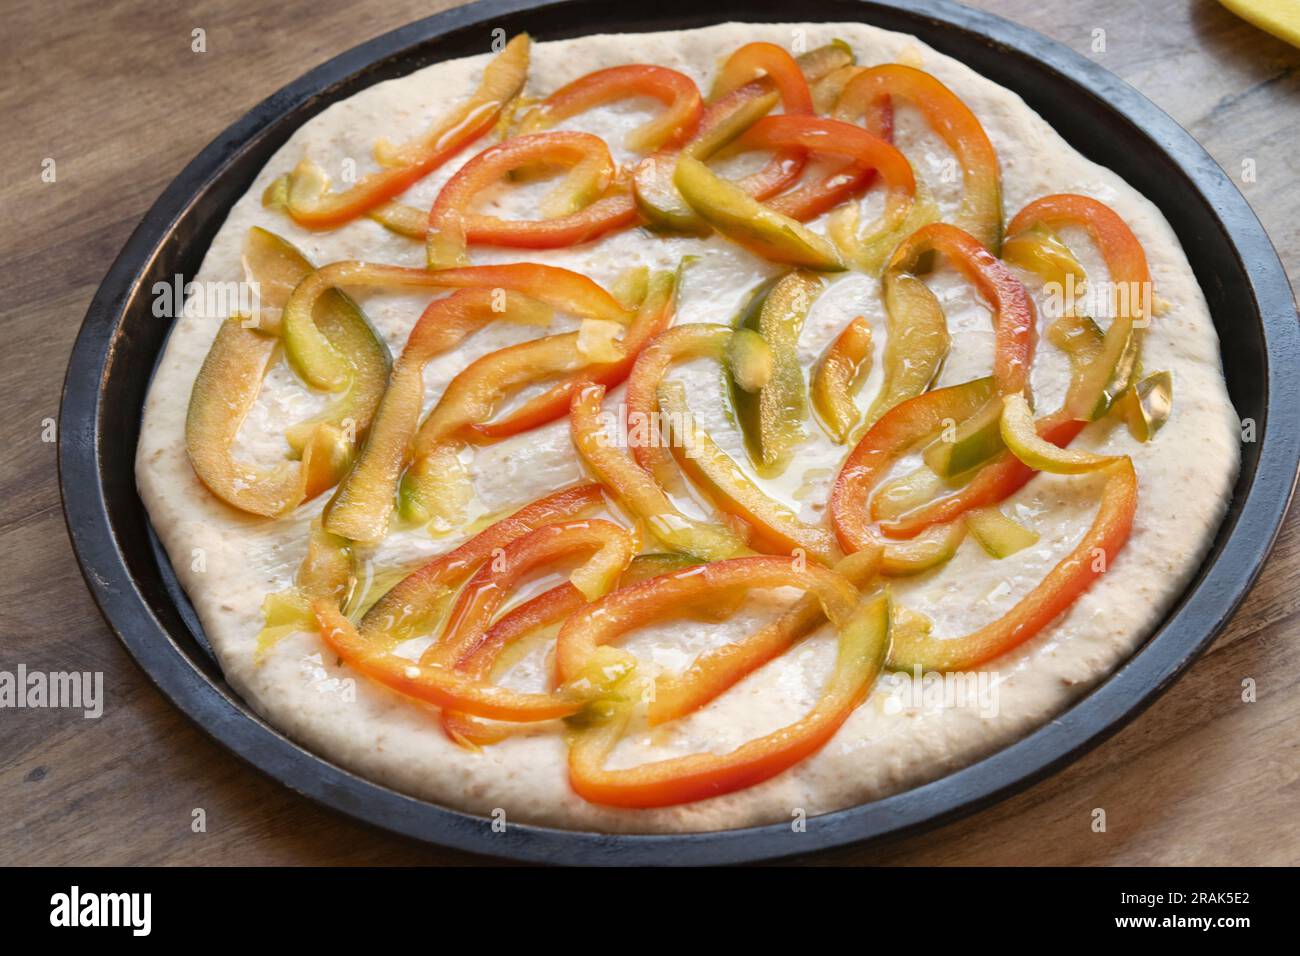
(1279,17)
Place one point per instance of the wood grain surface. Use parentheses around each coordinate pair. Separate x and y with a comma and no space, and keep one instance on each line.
(114,94)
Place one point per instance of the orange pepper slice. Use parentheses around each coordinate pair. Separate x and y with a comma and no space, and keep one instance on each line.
(302,191)
(864,637)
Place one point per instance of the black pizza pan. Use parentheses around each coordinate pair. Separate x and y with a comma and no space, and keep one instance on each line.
(1102,117)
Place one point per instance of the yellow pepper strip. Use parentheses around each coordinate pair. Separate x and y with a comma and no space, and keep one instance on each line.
(1020,434)
(838,372)
(303,192)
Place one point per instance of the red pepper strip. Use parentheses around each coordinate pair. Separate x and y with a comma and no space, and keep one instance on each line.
(437,485)
(401,612)
(324,367)
(655,315)
(452,228)
(952,120)
(547,609)
(725,115)
(1126,263)
(674,90)
(502,80)
(637,490)
(899,429)
(493,582)
(864,638)
(837,185)
(720,668)
(1014,319)
(1073,575)
(469,629)
(827,136)
(432,683)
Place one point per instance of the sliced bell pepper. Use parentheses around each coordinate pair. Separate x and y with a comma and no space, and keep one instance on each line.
(1021,436)
(303,192)
(484,593)
(1092,393)
(437,485)
(997,534)
(322,366)
(277,266)
(361,506)
(1108,364)
(1074,574)
(901,428)
(676,91)
(838,372)
(981,206)
(775,528)
(717,669)
(654,315)
(638,490)
(916,342)
(937,545)
(1146,406)
(772,419)
(413,604)
(589,208)
(1014,325)
(726,118)
(864,639)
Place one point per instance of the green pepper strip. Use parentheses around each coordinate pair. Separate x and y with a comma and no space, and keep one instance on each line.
(323,367)
(839,370)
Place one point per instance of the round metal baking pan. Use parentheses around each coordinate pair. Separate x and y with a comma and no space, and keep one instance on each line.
(1101,116)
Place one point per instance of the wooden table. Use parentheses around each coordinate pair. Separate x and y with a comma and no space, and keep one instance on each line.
(114,94)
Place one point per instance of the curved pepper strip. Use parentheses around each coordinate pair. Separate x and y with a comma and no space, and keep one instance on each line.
(870,152)
(231,378)
(1073,575)
(361,506)
(587,212)
(864,637)
(323,367)
(728,114)
(1126,263)
(901,428)
(655,314)
(408,606)
(773,526)
(437,485)
(547,609)
(1092,392)
(918,328)
(837,372)
(302,192)
(676,91)
(637,490)
(771,234)
(981,206)
(720,668)
(434,679)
